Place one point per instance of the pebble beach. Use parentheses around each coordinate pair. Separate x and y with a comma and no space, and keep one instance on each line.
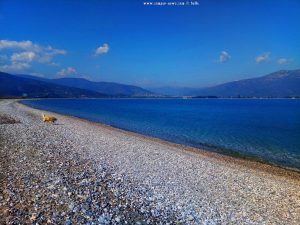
(79,172)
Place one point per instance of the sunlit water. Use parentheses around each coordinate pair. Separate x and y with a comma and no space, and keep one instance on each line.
(266,130)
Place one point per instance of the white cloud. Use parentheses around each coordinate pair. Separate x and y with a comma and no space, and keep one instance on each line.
(23,57)
(224,57)
(284,61)
(23,53)
(265,57)
(102,49)
(24,45)
(49,53)
(15,67)
(67,71)
(30,46)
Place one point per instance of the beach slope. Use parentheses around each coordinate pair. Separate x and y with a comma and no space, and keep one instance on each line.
(79,172)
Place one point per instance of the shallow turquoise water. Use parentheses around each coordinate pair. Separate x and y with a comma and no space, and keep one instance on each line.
(264,129)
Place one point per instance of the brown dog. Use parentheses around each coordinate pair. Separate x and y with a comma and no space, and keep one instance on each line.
(51,119)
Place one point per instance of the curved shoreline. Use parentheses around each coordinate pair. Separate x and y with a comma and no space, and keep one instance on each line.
(81,171)
(250,163)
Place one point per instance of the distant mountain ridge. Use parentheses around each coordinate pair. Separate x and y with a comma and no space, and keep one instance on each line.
(108,88)
(283,83)
(15,86)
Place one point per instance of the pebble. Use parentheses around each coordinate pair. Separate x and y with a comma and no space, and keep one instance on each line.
(101,176)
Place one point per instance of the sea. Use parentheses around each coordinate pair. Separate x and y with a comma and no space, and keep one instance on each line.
(266,130)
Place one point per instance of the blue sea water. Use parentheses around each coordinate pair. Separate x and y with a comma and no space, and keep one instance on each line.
(263,129)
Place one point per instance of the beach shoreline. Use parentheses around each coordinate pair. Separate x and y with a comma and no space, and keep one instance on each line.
(66,172)
(226,158)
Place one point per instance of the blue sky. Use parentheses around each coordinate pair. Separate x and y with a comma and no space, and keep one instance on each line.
(129,42)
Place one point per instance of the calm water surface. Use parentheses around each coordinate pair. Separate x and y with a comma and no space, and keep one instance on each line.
(267,130)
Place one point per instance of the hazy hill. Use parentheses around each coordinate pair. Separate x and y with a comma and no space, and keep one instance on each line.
(108,88)
(282,83)
(15,86)
(279,84)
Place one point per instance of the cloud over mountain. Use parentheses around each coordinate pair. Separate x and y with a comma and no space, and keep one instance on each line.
(284,61)
(67,71)
(23,53)
(23,57)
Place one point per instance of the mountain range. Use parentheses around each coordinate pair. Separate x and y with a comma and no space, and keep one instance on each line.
(283,83)
(107,88)
(15,86)
(39,87)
